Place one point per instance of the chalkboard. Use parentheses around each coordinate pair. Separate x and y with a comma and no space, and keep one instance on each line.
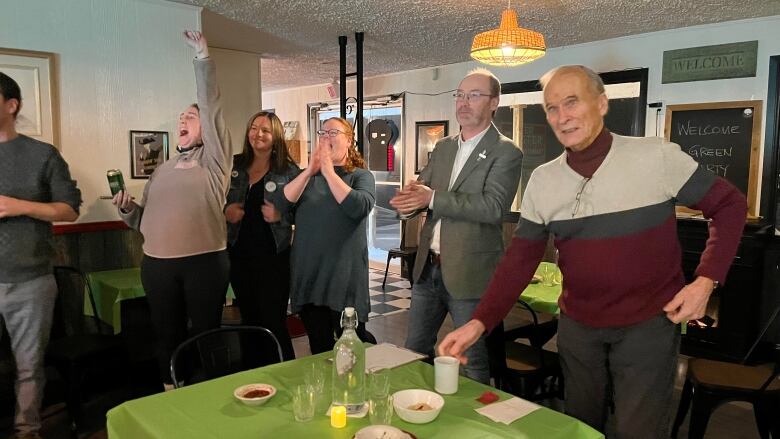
(723,137)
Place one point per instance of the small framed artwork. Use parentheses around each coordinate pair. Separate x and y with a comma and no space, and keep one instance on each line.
(427,133)
(148,150)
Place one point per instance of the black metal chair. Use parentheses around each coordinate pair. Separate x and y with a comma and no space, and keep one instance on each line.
(408,254)
(531,371)
(79,344)
(222,351)
(710,383)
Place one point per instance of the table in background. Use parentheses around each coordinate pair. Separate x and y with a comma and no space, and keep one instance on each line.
(111,287)
(543,298)
(209,410)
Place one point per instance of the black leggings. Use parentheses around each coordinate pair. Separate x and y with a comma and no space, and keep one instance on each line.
(323,326)
(262,287)
(185,298)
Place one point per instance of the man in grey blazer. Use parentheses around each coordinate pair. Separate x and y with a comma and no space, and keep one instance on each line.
(467,187)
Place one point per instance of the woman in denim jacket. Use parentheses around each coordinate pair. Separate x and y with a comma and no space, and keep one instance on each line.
(258,235)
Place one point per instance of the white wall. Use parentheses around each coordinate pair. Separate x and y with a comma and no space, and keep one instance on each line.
(238,76)
(645,50)
(123,65)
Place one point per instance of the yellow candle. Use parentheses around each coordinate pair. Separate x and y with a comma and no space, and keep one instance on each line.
(338,416)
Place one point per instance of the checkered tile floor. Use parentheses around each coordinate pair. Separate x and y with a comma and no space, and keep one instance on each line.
(395,297)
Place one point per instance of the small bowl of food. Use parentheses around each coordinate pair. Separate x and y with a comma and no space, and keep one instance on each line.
(255,394)
(381,432)
(417,406)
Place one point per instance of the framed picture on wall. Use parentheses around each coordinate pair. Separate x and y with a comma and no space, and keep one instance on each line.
(148,150)
(427,133)
(35,72)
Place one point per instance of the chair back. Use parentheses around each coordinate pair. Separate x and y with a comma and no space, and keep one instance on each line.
(537,336)
(409,240)
(69,318)
(222,351)
(775,373)
(538,363)
(761,335)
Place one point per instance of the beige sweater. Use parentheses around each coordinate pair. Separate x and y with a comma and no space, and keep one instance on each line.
(181,210)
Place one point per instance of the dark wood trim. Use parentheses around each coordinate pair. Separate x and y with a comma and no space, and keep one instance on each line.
(100,226)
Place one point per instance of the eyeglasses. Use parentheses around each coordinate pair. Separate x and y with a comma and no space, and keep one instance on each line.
(459,95)
(578,197)
(329,133)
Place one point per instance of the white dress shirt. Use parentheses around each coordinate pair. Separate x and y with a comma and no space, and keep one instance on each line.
(465,148)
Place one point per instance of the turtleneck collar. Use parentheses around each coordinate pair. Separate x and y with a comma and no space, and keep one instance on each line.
(587,161)
(187,149)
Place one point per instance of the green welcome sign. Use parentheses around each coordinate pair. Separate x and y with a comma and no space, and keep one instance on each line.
(734,60)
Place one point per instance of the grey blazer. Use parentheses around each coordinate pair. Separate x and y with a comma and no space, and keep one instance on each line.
(471,212)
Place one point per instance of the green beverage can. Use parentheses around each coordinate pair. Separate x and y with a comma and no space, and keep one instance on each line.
(115,181)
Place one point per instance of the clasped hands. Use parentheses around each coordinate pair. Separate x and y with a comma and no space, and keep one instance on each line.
(415,196)
(321,161)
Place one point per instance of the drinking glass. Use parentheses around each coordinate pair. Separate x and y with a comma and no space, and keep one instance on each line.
(314,376)
(304,402)
(548,275)
(380,409)
(378,382)
(558,278)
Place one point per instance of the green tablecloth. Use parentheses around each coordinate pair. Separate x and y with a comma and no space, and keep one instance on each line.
(208,410)
(540,297)
(111,287)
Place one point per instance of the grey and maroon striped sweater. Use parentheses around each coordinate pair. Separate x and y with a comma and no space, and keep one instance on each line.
(611,208)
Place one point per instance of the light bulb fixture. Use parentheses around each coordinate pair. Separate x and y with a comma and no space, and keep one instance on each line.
(509,44)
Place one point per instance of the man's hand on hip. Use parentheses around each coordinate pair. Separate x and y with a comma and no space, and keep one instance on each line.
(691,302)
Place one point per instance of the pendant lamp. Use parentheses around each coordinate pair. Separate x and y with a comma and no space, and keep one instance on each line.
(509,45)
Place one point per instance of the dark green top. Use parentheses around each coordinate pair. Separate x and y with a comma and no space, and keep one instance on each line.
(330,250)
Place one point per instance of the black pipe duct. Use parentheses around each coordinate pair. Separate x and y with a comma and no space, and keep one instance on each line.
(358,74)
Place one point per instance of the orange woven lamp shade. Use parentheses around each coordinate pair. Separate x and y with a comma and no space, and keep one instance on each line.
(509,45)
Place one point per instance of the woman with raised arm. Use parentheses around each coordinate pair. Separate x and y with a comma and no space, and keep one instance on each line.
(333,198)
(185,269)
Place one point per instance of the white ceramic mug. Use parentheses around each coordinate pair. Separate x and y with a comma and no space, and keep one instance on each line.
(446,373)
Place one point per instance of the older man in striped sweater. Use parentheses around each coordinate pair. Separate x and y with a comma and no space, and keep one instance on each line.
(609,201)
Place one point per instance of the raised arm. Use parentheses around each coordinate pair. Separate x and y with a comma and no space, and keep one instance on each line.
(216,138)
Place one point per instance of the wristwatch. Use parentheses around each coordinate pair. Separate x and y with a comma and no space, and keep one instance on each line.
(715,285)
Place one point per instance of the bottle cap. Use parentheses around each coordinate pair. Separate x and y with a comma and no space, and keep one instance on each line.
(349,311)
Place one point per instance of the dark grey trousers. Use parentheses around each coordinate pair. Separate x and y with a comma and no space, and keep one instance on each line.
(640,363)
(26,310)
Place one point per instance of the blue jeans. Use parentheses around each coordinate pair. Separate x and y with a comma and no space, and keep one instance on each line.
(430,303)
